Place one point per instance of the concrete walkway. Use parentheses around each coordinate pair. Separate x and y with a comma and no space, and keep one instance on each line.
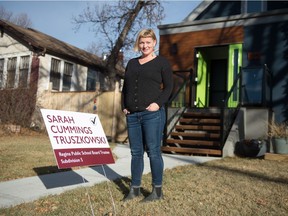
(32,188)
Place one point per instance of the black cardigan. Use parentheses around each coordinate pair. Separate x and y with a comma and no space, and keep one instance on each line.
(146,83)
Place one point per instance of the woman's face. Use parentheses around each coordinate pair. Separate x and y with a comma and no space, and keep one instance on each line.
(146,45)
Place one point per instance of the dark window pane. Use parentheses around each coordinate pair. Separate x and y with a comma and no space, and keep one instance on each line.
(11,72)
(55,74)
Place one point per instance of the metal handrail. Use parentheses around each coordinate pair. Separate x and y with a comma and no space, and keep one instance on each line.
(227,119)
(173,97)
(184,84)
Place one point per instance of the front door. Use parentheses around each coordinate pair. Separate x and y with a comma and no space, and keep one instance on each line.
(217,68)
(218,82)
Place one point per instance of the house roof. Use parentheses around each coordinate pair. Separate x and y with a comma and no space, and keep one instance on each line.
(42,43)
(191,23)
(197,10)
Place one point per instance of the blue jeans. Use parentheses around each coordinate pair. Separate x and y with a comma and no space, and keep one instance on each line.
(145,132)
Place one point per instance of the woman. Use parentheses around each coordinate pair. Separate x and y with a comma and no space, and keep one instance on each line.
(147,86)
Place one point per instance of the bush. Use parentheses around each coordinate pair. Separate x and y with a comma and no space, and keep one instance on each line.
(17,106)
(278,130)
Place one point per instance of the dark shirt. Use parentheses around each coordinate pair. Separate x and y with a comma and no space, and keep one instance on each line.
(146,83)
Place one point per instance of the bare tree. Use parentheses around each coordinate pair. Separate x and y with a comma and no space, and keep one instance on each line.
(21,19)
(117,23)
(4,14)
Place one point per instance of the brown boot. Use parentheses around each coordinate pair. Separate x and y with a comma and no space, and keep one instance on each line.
(134,192)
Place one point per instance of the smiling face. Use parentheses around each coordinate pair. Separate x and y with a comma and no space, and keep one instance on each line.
(146,45)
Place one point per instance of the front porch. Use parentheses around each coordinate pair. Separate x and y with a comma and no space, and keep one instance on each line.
(214,131)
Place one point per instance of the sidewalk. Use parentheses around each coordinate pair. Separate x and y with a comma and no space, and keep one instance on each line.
(32,188)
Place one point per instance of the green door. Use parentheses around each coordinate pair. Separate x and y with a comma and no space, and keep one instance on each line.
(234,63)
(204,59)
(201,89)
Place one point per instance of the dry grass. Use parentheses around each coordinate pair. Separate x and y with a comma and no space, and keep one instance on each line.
(27,155)
(20,155)
(278,130)
(230,186)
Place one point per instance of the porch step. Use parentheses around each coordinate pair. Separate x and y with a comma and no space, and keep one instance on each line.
(199,121)
(193,142)
(202,114)
(192,151)
(197,132)
(197,127)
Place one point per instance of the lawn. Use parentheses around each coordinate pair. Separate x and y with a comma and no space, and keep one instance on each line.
(20,155)
(230,186)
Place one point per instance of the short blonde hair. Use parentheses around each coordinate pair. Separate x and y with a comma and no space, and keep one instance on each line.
(144,33)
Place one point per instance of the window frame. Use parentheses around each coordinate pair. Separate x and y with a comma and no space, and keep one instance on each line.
(11,72)
(55,73)
(24,66)
(91,80)
(63,74)
(67,76)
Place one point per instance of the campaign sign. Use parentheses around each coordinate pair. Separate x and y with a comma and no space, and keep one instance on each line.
(77,139)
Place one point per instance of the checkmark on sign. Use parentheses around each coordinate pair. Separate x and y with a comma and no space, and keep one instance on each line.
(93,120)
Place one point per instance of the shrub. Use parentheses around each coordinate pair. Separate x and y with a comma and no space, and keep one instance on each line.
(278,130)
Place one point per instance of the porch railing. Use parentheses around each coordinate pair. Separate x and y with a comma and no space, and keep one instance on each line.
(233,101)
(228,114)
(179,100)
(235,95)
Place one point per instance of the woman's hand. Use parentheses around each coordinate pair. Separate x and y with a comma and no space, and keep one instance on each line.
(153,107)
(125,111)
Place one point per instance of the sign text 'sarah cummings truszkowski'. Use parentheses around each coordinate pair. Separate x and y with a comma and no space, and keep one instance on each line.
(77,139)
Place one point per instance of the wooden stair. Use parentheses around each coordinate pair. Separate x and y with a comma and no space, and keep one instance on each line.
(197,132)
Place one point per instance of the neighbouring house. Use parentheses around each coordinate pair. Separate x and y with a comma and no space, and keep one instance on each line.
(39,71)
(230,60)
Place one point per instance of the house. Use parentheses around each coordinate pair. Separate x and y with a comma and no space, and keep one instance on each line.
(232,57)
(39,71)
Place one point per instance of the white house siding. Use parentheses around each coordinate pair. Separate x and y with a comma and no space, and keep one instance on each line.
(43,82)
(10,46)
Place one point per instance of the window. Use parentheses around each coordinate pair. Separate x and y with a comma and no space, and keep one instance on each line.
(67,75)
(254,6)
(1,73)
(55,75)
(23,71)
(61,75)
(91,80)
(97,81)
(14,71)
(11,72)
(252,86)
